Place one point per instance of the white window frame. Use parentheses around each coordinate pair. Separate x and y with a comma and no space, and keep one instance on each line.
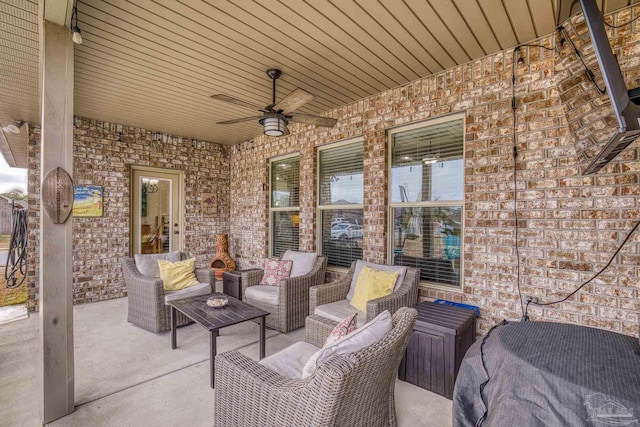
(321,208)
(273,209)
(427,204)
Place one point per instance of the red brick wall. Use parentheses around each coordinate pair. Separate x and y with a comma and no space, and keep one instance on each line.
(570,224)
(103,154)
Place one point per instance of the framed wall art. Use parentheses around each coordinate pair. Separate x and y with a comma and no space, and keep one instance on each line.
(87,201)
(209,204)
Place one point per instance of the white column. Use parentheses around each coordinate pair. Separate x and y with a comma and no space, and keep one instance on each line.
(56,282)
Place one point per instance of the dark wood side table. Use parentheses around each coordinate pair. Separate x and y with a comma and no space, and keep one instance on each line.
(212,319)
(232,282)
(441,337)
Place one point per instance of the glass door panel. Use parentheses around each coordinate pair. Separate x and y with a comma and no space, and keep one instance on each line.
(156,211)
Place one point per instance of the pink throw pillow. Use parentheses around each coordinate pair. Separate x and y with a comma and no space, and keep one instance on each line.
(275,271)
(345,327)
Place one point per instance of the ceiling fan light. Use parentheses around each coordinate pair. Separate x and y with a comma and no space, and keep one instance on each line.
(274,126)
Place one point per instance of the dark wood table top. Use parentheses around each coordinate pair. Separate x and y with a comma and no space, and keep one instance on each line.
(210,318)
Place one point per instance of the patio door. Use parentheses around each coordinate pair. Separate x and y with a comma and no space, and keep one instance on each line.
(156,209)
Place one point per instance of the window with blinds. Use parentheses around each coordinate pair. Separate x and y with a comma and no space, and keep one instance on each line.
(284,204)
(427,199)
(340,198)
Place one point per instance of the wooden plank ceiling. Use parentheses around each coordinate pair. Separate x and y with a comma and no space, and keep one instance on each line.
(155,63)
(19,91)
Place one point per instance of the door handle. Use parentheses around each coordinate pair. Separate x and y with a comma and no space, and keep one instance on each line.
(176,232)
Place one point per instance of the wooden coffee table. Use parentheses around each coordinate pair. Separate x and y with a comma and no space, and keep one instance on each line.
(212,319)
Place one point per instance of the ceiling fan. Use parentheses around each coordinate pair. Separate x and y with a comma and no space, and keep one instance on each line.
(275,117)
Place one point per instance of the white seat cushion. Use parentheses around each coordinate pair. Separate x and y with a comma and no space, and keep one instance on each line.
(338,310)
(290,361)
(264,294)
(368,334)
(303,262)
(192,291)
(147,264)
(402,271)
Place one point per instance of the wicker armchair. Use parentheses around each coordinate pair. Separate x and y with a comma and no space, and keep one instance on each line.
(147,308)
(354,389)
(291,307)
(318,327)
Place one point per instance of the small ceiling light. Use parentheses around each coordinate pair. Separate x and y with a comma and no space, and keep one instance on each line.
(274,126)
(429,160)
(560,36)
(77,34)
(519,55)
(13,127)
(77,37)
(431,156)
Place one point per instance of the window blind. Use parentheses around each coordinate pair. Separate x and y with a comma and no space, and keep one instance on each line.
(342,233)
(285,182)
(341,175)
(284,205)
(427,197)
(341,185)
(285,231)
(425,156)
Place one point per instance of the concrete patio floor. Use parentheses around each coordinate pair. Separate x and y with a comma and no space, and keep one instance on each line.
(125,376)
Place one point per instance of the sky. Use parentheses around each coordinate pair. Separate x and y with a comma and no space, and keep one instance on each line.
(12,178)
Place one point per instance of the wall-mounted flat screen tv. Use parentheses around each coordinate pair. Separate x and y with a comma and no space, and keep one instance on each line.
(623,101)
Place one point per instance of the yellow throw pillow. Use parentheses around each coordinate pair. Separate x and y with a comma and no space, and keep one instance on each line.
(177,275)
(372,284)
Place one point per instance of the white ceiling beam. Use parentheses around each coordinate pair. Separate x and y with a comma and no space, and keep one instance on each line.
(58,12)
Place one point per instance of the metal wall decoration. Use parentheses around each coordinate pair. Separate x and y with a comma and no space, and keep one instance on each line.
(57,195)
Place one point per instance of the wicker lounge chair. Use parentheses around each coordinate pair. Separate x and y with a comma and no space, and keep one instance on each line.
(288,303)
(353,389)
(147,308)
(318,326)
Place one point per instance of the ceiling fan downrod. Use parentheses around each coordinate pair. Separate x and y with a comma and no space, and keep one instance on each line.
(274,74)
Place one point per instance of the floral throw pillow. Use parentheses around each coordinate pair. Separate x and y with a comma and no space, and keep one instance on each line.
(275,271)
(345,327)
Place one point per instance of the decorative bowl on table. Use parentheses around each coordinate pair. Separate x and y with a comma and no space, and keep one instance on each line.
(217,301)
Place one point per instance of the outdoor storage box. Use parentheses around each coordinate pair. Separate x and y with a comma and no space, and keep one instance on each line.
(441,336)
(232,282)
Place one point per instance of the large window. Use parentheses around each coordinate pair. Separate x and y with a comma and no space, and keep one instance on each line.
(427,199)
(340,194)
(284,204)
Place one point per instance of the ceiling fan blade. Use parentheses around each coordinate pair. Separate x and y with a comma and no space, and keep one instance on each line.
(244,119)
(312,120)
(236,101)
(293,101)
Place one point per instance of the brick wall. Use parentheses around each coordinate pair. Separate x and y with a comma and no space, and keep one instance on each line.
(5,216)
(103,154)
(570,224)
